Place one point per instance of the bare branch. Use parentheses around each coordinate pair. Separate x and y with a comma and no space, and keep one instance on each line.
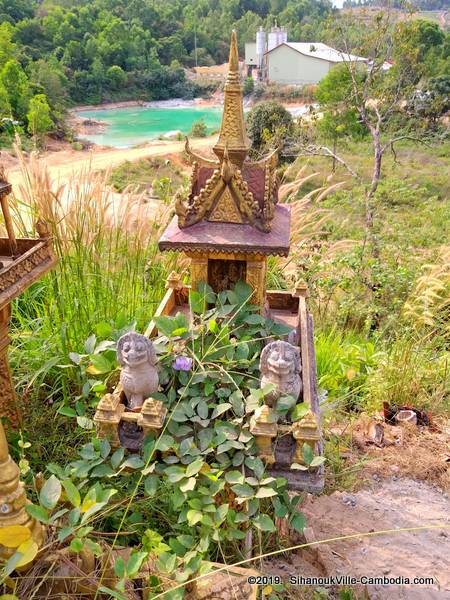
(313,150)
(390,143)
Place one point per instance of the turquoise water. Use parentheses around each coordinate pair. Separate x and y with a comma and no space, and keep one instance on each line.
(129,127)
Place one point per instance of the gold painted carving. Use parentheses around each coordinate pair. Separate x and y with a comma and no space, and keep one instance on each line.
(13,499)
(199,271)
(305,431)
(107,418)
(8,400)
(237,204)
(232,131)
(263,426)
(256,277)
(226,210)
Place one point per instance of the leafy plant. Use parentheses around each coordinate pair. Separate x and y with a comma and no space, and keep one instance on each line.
(203,471)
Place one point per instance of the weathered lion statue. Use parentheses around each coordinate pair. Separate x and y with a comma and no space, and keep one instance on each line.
(280,365)
(139,376)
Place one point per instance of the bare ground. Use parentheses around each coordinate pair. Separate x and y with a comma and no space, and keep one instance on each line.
(64,164)
(395,504)
(402,490)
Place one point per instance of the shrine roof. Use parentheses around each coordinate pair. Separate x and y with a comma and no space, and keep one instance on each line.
(231,237)
(254,175)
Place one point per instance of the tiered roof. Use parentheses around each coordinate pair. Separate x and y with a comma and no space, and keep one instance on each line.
(232,202)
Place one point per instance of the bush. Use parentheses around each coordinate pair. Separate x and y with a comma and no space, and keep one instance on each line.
(116,77)
(199,129)
(249,86)
(268,124)
(39,120)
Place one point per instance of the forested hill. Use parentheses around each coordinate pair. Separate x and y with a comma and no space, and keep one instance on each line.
(86,51)
(416,4)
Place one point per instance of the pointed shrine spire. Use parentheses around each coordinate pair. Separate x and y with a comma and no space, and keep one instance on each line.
(233,135)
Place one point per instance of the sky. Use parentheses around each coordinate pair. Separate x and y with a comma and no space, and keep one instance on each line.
(338,3)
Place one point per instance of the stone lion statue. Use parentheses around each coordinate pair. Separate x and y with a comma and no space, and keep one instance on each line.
(139,376)
(280,365)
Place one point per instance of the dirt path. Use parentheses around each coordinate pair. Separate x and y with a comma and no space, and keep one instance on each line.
(396,503)
(64,164)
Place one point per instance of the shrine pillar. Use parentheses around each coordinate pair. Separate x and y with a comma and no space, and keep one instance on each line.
(8,400)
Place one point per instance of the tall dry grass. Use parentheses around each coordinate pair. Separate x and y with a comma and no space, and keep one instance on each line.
(428,306)
(312,254)
(110,271)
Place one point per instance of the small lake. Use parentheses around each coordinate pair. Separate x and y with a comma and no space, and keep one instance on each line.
(136,125)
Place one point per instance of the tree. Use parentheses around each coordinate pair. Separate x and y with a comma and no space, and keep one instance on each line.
(52,81)
(17,87)
(268,123)
(432,101)
(249,86)
(8,49)
(116,77)
(338,120)
(16,10)
(5,106)
(377,91)
(39,120)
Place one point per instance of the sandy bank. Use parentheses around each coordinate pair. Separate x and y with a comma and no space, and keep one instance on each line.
(87,126)
(172,103)
(106,105)
(65,164)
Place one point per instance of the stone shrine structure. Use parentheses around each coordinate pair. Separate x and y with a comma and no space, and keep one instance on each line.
(228,224)
(22,262)
(231,221)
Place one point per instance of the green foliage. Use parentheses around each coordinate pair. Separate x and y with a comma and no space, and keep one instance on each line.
(39,120)
(16,84)
(199,129)
(116,77)
(195,490)
(136,49)
(345,360)
(249,86)
(335,87)
(338,121)
(413,372)
(48,77)
(268,123)
(5,106)
(433,100)
(8,49)
(160,176)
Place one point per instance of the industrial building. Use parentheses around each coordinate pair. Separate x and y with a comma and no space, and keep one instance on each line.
(273,59)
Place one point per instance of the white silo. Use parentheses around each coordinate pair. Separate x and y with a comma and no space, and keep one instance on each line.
(283,38)
(260,46)
(279,36)
(272,39)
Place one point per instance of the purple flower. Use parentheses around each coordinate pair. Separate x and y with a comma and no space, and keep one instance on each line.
(182,363)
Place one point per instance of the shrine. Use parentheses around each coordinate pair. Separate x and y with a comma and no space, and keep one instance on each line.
(228,223)
(22,262)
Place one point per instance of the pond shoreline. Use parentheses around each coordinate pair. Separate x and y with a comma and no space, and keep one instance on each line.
(133,124)
(87,126)
(172,102)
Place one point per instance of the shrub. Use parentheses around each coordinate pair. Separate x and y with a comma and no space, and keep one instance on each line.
(249,86)
(268,123)
(116,77)
(39,120)
(199,129)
